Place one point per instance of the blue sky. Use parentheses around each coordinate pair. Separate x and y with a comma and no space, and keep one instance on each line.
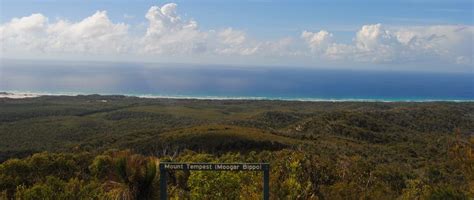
(261,32)
(263,18)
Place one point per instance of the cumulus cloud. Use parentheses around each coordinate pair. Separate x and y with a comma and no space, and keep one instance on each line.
(372,43)
(452,43)
(317,41)
(282,47)
(236,42)
(232,41)
(24,32)
(94,34)
(232,37)
(377,44)
(169,33)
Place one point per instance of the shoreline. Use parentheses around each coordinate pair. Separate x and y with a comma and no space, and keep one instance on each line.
(24,95)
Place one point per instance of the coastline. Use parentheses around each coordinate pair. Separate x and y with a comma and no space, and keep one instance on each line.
(23,95)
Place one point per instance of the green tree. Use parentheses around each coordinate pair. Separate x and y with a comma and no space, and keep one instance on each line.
(214,185)
(133,176)
(56,189)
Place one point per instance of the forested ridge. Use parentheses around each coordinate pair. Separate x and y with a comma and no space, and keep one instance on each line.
(108,147)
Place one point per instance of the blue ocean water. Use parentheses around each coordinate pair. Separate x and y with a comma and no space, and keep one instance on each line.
(173,80)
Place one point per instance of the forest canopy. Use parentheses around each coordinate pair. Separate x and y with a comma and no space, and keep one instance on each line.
(109,147)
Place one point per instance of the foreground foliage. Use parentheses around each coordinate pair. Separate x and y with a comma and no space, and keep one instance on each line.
(123,175)
(73,148)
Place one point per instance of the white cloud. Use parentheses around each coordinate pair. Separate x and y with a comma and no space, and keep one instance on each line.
(282,47)
(94,34)
(317,41)
(371,37)
(169,35)
(450,43)
(231,37)
(25,32)
(372,43)
(376,44)
(235,42)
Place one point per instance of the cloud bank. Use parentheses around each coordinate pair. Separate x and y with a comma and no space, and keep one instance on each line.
(169,34)
(376,44)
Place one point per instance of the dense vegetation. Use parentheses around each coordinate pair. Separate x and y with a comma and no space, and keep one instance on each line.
(108,147)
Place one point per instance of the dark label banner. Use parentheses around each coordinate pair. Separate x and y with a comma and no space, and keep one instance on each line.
(215,166)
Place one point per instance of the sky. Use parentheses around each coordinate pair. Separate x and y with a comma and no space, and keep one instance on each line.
(389,35)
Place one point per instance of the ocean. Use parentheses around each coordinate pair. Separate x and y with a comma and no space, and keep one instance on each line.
(233,82)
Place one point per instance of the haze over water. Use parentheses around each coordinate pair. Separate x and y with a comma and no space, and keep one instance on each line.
(213,81)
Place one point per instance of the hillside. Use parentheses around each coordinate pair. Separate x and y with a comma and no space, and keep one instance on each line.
(347,149)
